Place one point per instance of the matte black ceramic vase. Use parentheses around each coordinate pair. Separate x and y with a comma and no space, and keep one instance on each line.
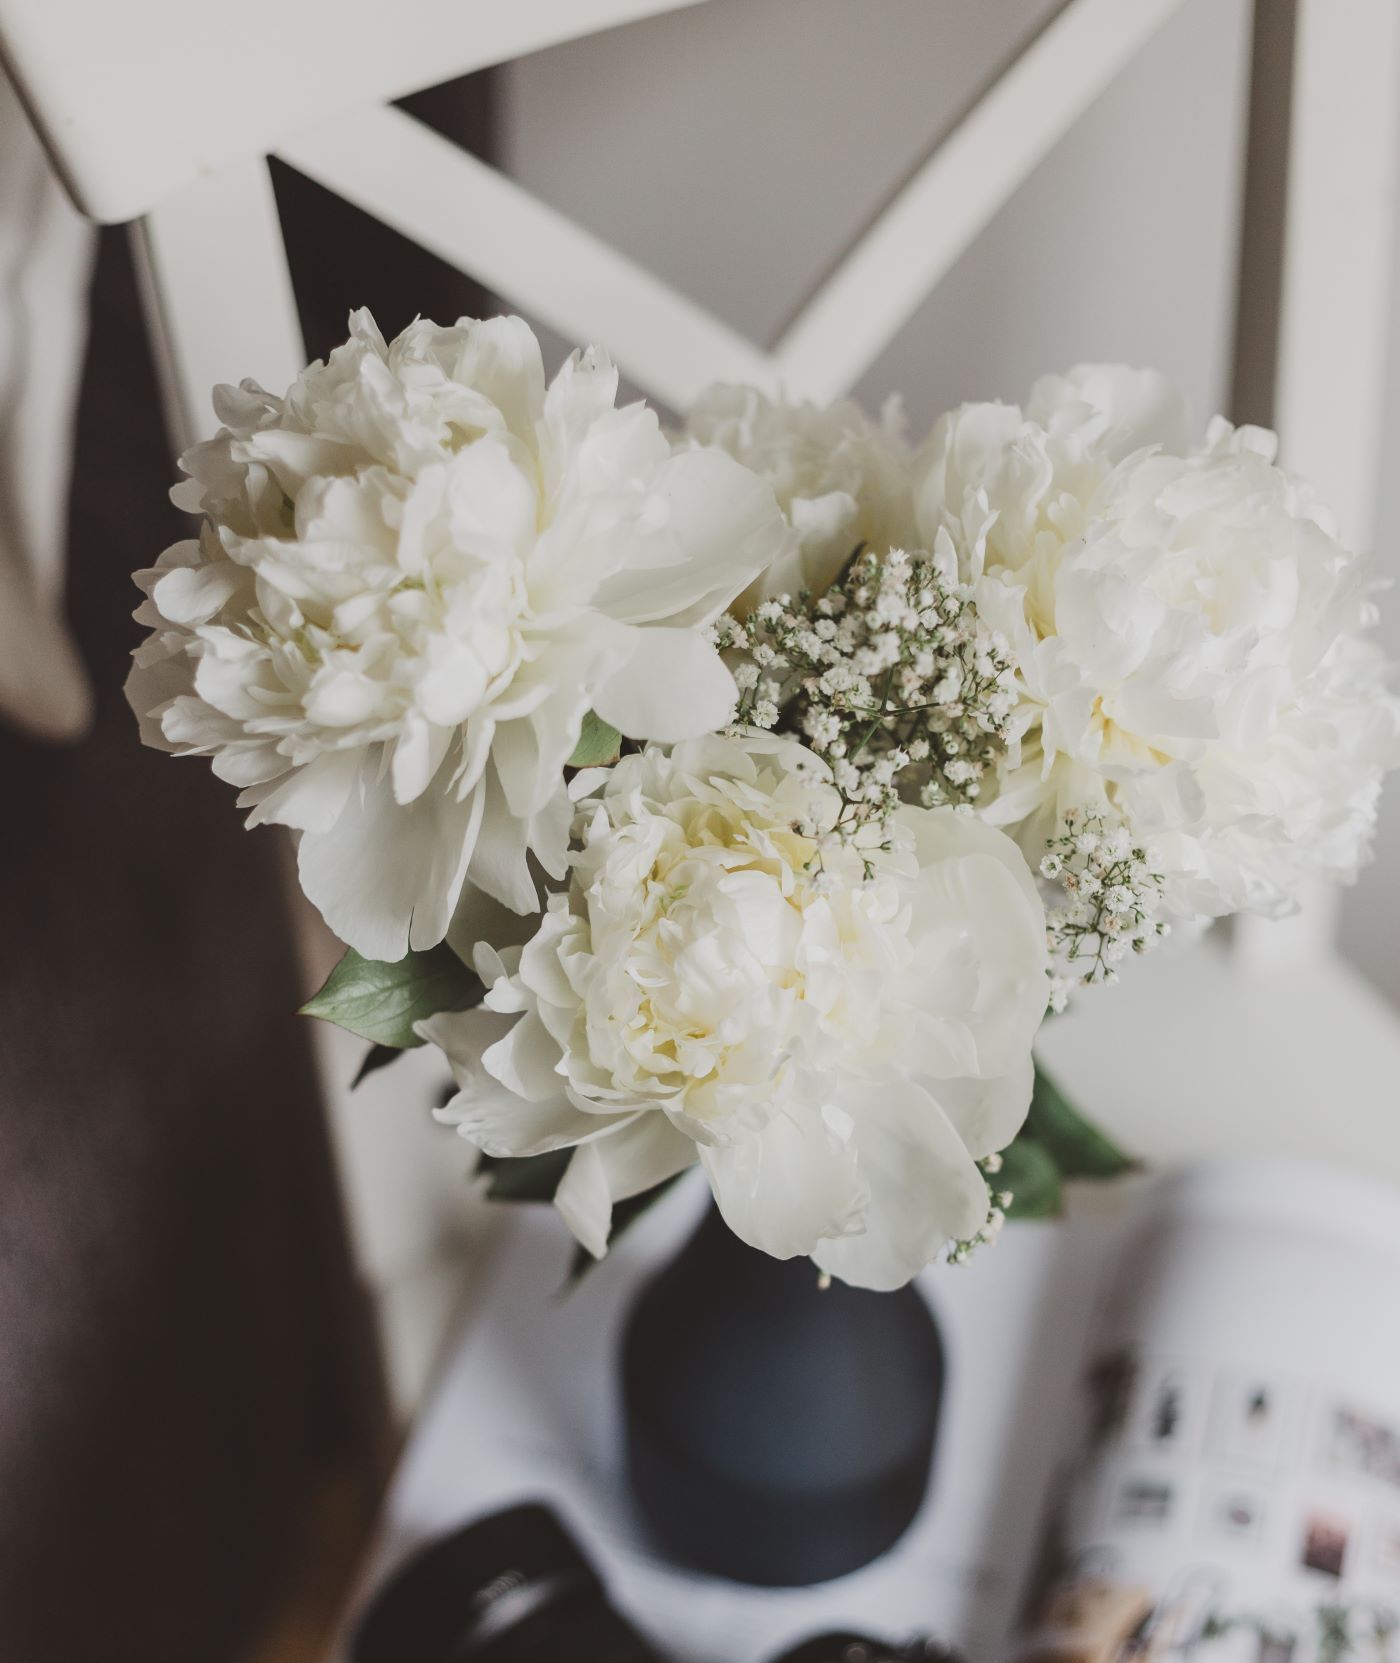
(777,1432)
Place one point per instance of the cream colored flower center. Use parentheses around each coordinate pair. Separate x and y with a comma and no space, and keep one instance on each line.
(740,950)
(358,649)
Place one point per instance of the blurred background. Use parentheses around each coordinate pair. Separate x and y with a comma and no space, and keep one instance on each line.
(737,148)
(193,1429)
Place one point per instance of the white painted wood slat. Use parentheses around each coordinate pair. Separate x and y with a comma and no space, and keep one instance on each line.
(1339,233)
(969,174)
(532,256)
(203,86)
(1343,168)
(537,259)
(218,294)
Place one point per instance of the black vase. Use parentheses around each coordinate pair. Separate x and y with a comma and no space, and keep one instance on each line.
(777,1432)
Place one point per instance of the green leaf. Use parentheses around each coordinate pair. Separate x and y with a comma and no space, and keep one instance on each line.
(1028,1170)
(598,744)
(523,1177)
(624,1215)
(1077,1148)
(381,1002)
(377,1057)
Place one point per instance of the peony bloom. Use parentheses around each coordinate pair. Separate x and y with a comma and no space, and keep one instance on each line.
(838,1033)
(841,479)
(1190,637)
(417,572)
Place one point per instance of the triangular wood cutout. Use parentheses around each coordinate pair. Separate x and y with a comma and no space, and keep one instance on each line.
(536,259)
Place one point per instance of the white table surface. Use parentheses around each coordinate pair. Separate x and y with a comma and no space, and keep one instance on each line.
(527,1407)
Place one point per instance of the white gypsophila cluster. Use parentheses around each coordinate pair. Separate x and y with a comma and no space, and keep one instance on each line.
(959,1252)
(998,1202)
(842,480)
(1112,901)
(1191,641)
(417,572)
(838,1035)
(890,677)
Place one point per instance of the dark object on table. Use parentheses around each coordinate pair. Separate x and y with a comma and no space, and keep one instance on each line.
(510,1588)
(860,1648)
(777,1432)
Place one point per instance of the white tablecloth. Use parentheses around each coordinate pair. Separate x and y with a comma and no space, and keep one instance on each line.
(528,1408)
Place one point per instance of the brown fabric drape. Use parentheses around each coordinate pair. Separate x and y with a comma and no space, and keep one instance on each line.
(185,1376)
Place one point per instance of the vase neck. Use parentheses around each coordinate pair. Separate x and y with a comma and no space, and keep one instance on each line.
(729,1257)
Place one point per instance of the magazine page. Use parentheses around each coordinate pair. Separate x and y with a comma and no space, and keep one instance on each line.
(1235,1495)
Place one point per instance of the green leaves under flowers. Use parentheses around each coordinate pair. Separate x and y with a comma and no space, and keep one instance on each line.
(598,744)
(523,1177)
(1056,1143)
(381,1002)
(1028,1170)
(377,1057)
(1079,1149)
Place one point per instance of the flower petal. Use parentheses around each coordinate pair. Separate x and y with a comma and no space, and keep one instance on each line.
(987,1114)
(720,529)
(674,685)
(488,1114)
(979,970)
(386,876)
(642,1154)
(310,799)
(929,1191)
(1136,407)
(500,863)
(787,1186)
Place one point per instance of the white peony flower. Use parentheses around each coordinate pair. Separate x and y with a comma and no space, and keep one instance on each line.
(1189,634)
(417,571)
(839,1034)
(841,479)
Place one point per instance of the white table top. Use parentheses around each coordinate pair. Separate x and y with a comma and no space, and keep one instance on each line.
(528,1408)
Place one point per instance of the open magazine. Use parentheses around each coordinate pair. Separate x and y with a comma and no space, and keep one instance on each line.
(1233,1491)
(1171,1430)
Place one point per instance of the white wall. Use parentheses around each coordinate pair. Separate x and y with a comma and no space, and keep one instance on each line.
(735,148)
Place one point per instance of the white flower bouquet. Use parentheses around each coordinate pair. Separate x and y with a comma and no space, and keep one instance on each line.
(746,795)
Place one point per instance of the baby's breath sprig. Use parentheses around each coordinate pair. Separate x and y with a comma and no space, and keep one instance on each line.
(1114,897)
(959,1252)
(890,676)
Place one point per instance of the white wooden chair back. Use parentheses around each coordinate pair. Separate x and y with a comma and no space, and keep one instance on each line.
(137,100)
(161,112)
